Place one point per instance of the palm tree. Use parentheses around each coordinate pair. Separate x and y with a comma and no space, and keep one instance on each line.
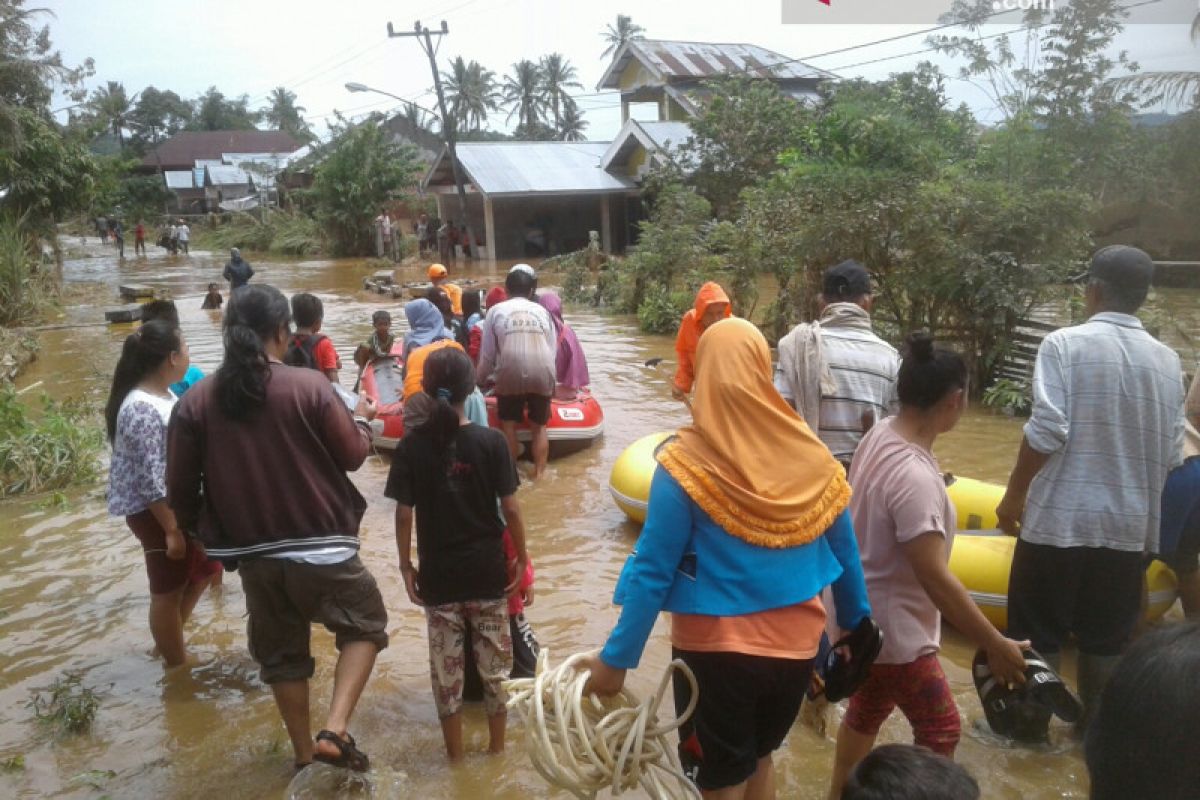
(1171,88)
(558,75)
(622,33)
(111,106)
(522,93)
(471,92)
(417,118)
(282,113)
(573,124)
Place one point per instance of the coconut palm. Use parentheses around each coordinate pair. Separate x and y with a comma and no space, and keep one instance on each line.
(282,113)
(558,75)
(110,105)
(621,33)
(418,119)
(522,93)
(471,92)
(1171,88)
(573,124)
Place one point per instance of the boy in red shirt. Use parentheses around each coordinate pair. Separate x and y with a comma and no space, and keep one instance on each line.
(139,239)
(309,347)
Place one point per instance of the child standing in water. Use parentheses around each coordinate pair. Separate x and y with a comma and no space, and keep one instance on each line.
(139,406)
(452,471)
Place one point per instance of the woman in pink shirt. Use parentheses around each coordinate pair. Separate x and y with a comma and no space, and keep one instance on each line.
(905,523)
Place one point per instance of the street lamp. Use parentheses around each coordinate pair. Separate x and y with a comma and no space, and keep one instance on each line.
(353,86)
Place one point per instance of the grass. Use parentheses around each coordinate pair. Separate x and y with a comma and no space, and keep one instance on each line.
(27,289)
(280,232)
(67,706)
(50,449)
(13,764)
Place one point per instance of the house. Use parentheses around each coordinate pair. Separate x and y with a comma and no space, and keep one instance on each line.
(529,199)
(185,148)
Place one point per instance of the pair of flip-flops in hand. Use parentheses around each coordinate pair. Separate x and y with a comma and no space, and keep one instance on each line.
(1023,712)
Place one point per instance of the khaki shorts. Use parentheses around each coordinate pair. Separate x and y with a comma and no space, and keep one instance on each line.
(491,644)
(285,597)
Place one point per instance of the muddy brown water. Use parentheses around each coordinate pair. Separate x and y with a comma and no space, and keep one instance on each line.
(73,592)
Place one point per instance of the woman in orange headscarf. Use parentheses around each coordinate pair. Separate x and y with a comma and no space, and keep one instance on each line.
(746,526)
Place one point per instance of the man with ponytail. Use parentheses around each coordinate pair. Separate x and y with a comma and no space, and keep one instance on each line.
(455,473)
(239,443)
(1085,495)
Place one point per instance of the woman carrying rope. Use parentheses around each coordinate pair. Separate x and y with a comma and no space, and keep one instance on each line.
(746,526)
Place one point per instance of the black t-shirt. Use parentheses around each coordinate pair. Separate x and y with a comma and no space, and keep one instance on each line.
(459,530)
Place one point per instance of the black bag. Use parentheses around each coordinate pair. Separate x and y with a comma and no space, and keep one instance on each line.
(301,350)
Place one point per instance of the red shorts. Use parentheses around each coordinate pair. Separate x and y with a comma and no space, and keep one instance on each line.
(921,691)
(167,575)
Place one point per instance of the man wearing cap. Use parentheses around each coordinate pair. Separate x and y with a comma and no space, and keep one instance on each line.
(1106,427)
(437,276)
(836,372)
(519,344)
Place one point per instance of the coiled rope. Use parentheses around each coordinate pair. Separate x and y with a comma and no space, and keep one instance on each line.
(583,744)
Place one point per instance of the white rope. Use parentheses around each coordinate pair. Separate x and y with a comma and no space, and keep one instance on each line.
(587,744)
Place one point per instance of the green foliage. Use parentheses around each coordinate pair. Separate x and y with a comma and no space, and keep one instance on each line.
(157,115)
(67,706)
(1009,396)
(47,176)
(119,190)
(283,114)
(213,111)
(363,171)
(26,288)
(54,448)
(15,763)
(660,311)
(281,232)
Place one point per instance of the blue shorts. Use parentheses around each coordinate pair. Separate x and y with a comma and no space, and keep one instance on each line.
(1179,534)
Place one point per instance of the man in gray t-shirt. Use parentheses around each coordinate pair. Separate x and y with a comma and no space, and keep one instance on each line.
(517,353)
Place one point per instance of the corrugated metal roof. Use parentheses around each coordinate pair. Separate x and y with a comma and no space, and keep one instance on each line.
(675,60)
(225,176)
(670,133)
(179,179)
(657,138)
(186,147)
(529,168)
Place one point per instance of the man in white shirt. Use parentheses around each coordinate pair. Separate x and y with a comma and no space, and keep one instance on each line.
(1106,427)
(185,235)
(518,352)
(836,372)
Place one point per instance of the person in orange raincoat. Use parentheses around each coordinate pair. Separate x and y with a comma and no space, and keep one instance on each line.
(712,306)
(438,277)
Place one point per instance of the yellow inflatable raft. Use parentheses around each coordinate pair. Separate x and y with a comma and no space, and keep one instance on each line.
(981,557)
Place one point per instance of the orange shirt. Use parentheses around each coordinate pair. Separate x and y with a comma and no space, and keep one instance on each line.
(454,292)
(415,368)
(788,632)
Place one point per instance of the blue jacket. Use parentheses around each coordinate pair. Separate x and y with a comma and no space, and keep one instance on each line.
(686,563)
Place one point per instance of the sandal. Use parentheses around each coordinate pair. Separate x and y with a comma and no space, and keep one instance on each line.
(348,757)
(843,675)
(1023,712)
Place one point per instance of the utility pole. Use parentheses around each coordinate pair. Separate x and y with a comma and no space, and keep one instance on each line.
(424,38)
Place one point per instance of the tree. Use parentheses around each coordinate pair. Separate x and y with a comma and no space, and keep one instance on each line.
(558,75)
(157,116)
(213,112)
(622,32)
(1178,88)
(419,119)
(30,69)
(111,107)
(573,124)
(522,94)
(282,113)
(471,92)
(363,170)
(46,176)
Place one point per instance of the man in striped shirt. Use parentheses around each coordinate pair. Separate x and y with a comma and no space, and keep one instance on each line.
(1106,427)
(836,372)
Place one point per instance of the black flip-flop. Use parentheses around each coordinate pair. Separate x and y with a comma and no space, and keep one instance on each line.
(844,675)
(1023,712)
(348,757)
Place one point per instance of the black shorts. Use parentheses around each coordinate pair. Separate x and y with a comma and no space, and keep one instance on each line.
(511,408)
(285,597)
(747,706)
(1092,592)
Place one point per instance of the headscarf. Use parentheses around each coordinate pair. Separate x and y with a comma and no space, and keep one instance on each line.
(570,362)
(495,296)
(425,323)
(748,459)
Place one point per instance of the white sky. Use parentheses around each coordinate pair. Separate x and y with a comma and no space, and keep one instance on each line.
(314,47)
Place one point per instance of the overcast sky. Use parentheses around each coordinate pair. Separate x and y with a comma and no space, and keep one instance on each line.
(314,47)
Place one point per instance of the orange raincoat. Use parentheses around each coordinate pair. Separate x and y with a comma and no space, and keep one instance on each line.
(689,333)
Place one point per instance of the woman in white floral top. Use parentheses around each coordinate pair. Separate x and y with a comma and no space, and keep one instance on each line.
(139,408)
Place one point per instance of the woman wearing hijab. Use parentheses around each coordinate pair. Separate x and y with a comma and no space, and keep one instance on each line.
(746,525)
(427,334)
(569,361)
(495,297)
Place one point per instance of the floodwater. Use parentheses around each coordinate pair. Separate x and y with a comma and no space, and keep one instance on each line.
(73,593)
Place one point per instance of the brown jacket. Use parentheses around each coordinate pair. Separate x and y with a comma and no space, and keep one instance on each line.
(274,483)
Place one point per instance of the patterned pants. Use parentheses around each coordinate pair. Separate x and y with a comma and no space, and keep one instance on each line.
(491,646)
(920,689)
